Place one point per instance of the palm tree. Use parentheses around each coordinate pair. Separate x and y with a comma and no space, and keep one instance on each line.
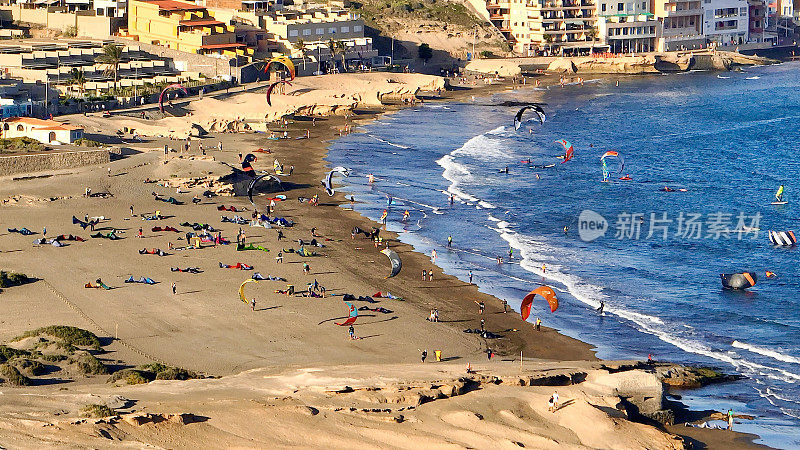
(341,47)
(110,58)
(301,47)
(78,78)
(334,50)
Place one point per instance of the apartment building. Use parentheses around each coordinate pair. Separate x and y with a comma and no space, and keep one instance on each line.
(726,22)
(680,24)
(182,26)
(627,26)
(51,63)
(535,27)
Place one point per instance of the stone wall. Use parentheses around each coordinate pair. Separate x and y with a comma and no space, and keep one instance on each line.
(16,164)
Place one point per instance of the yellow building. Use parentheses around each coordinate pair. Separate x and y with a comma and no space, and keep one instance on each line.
(181,26)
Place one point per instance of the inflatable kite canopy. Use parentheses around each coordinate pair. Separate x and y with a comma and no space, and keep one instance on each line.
(546,292)
(241,289)
(285,61)
(170,87)
(327,183)
(569,151)
(737,281)
(266,178)
(782,238)
(518,116)
(272,87)
(397,264)
(353,315)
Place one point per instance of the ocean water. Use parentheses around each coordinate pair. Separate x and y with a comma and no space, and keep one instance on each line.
(728,142)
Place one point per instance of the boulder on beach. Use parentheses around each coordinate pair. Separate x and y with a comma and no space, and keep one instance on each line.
(494,67)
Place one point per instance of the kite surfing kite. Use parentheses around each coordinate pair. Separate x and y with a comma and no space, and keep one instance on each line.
(256,180)
(241,288)
(246,167)
(611,154)
(353,315)
(328,181)
(285,61)
(546,292)
(272,87)
(568,150)
(396,263)
(170,87)
(518,117)
(782,238)
(738,281)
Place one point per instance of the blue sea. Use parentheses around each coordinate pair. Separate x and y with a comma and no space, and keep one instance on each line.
(722,143)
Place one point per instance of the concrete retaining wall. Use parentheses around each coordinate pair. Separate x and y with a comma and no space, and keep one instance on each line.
(88,25)
(12,165)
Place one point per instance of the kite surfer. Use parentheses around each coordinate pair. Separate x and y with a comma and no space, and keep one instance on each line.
(405,215)
(600,309)
(470,277)
(449,241)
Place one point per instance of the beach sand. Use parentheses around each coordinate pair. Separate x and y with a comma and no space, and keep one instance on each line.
(206,328)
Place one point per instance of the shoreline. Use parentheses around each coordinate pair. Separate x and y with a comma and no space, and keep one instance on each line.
(457,309)
(715,438)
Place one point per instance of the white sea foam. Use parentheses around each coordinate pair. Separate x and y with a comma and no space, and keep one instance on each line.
(479,147)
(774,354)
(535,253)
(384,141)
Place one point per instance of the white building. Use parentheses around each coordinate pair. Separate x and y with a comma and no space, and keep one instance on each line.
(110,8)
(44,131)
(726,22)
(628,26)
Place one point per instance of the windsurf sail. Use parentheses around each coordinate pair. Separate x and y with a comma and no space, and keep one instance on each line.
(779,194)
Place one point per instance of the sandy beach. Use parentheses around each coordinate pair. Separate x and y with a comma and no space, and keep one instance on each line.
(282,374)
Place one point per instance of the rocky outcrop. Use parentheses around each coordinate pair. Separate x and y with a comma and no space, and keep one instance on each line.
(494,67)
(641,393)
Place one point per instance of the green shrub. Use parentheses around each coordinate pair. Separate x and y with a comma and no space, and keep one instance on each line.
(131,376)
(71,31)
(96,411)
(7,353)
(12,376)
(89,365)
(20,145)
(29,366)
(9,279)
(83,142)
(68,335)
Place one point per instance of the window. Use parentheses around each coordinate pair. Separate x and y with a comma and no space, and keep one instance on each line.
(332,30)
(319,31)
(345,29)
(620,7)
(603,7)
(742,11)
(52,136)
(356,28)
(307,32)
(644,6)
(20,128)
(292,33)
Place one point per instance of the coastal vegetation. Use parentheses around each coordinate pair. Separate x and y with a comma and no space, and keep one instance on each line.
(20,145)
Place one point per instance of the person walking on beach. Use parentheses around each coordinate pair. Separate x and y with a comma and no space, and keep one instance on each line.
(430,275)
(505,306)
(279,258)
(253,304)
(730,419)
(470,277)
(538,324)
(352,332)
(424,355)
(435,315)
(481,307)
(280,235)
(44,231)
(483,325)
(450,241)
(174,288)
(131,210)
(306,268)
(424,274)
(140,232)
